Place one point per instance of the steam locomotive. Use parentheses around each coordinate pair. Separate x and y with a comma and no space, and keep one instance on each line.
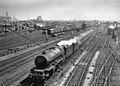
(50,59)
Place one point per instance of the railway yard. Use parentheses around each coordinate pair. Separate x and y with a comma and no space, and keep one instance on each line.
(79,55)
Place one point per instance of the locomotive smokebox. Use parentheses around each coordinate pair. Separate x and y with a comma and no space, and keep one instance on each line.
(41,62)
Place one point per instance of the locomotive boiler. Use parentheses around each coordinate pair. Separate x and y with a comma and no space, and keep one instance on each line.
(48,56)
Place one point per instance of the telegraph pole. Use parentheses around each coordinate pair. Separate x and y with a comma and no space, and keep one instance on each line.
(97,25)
(46,34)
(5,23)
(5,28)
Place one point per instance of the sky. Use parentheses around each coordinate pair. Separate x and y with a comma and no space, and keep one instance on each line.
(62,9)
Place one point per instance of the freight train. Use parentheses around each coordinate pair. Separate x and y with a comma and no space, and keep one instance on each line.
(53,29)
(58,30)
(50,59)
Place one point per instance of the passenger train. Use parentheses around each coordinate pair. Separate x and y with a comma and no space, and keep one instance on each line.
(50,59)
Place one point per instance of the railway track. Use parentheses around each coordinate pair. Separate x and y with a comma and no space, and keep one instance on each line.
(113,79)
(15,79)
(19,41)
(9,43)
(104,69)
(58,75)
(78,75)
(15,46)
(11,65)
(24,55)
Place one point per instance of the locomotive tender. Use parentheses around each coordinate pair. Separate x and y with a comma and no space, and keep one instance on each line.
(48,61)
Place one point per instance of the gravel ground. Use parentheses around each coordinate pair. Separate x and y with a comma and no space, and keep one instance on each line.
(115,75)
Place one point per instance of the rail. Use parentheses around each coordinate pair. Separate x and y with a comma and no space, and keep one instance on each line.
(82,68)
(103,79)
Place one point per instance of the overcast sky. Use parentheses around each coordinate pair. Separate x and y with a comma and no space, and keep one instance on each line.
(62,9)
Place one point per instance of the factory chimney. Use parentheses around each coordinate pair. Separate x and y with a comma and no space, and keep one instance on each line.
(6,14)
